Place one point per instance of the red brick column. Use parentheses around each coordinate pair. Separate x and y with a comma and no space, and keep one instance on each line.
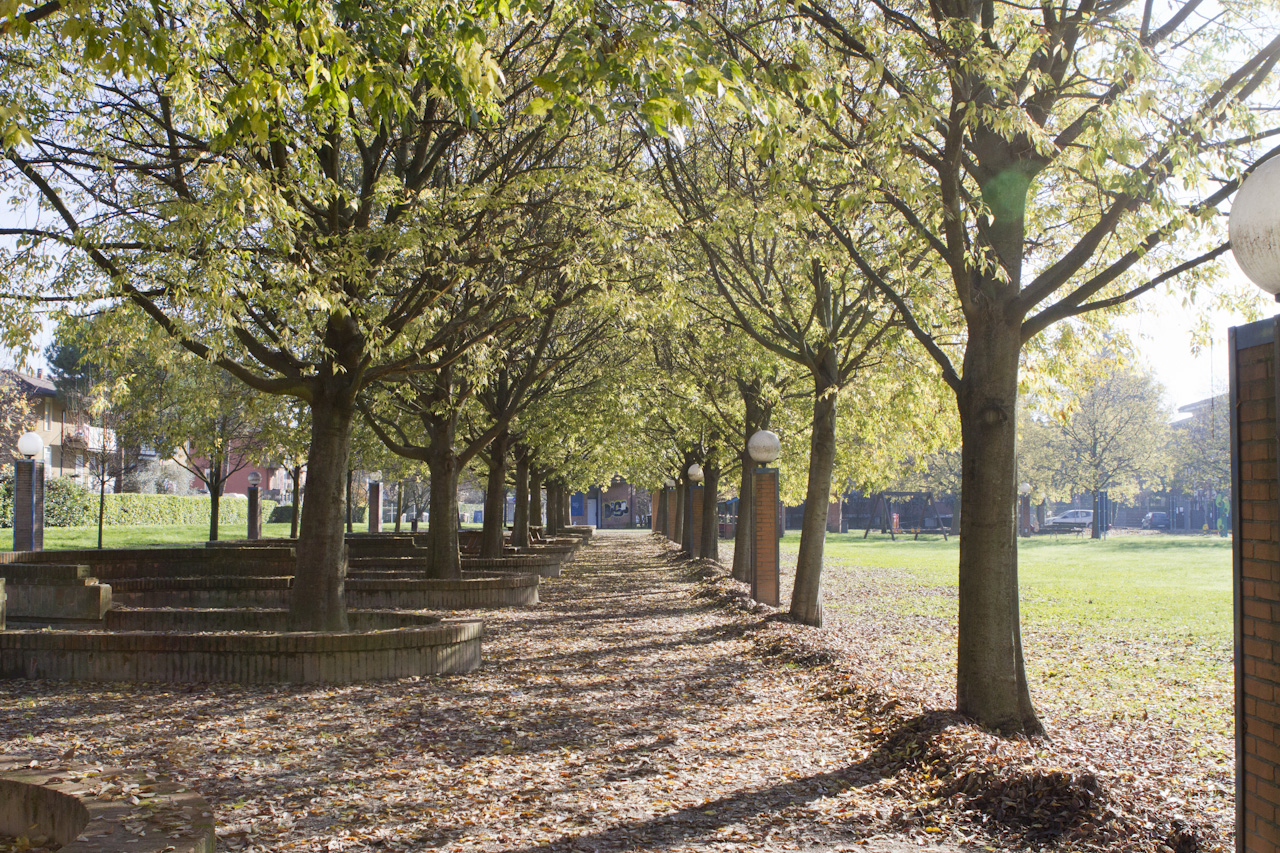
(764,537)
(671,514)
(654,506)
(834,515)
(1256,528)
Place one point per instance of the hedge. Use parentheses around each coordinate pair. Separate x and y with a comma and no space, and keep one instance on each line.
(68,504)
(139,509)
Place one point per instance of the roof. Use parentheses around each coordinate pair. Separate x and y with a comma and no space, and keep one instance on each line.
(42,386)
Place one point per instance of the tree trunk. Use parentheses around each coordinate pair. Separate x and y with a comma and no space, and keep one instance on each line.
(709,543)
(806,597)
(442,526)
(399,503)
(566,507)
(495,503)
(677,535)
(990,678)
(742,532)
(318,600)
(350,475)
(215,496)
(1099,523)
(535,496)
(520,523)
(102,508)
(297,502)
(555,523)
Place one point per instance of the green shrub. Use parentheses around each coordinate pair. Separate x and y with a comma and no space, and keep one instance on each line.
(282,514)
(68,504)
(131,509)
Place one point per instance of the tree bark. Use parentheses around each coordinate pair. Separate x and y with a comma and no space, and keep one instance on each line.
(297,502)
(742,532)
(535,496)
(399,502)
(442,526)
(566,507)
(215,495)
(350,475)
(709,543)
(554,524)
(990,677)
(102,509)
(520,523)
(806,597)
(677,535)
(318,599)
(495,503)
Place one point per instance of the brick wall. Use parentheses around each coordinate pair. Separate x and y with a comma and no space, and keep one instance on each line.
(1256,520)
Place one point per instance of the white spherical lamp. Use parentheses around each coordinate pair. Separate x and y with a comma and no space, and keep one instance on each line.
(1254,226)
(670,483)
(1024,489)
(695,473)
(254,478)
(30,445)
(764,446)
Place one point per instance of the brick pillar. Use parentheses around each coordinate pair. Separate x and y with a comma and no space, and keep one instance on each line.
(655,503)
(1255,520)
(375,507)
(28,505)
(694,536)
(764,536)
(834,515)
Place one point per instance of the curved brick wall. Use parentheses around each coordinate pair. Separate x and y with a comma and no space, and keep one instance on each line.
(266,658)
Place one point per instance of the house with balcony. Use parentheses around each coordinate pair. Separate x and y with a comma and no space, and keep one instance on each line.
(63,425)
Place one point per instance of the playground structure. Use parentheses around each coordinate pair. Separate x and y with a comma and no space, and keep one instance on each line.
(914,511)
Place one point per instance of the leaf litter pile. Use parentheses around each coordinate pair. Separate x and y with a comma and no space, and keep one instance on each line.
(643,705)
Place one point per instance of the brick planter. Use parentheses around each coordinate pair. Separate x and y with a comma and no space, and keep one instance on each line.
(542,565)
(261,658)
(85,810)
(112,564)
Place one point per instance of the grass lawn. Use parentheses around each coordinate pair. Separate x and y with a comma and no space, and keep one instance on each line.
(67,538)
(1135,624)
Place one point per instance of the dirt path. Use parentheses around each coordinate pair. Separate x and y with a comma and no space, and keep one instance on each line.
(619,714)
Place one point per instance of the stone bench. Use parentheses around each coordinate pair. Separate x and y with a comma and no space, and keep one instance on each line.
(53,593)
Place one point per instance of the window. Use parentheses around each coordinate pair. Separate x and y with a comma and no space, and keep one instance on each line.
(48,414)
(48,456)
(79,463)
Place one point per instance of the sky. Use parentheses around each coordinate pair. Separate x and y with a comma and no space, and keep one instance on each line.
(1163,335)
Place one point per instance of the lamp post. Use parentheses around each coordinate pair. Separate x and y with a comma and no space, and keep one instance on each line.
(693,509)
(1024,491)
(28,495)
(255,506)
(763,448)
(375,503)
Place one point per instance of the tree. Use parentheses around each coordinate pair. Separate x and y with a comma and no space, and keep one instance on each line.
(294,187)
(781,286)
(1110,436)
(1040,165)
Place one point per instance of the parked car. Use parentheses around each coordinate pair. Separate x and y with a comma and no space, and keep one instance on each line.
(1155,521)
(1072,519)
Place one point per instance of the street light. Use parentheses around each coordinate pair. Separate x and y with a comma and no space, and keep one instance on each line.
(375,502)
(255,510)
(1254,226)
(693,510)
(30,445)
(695,473)
(764,447)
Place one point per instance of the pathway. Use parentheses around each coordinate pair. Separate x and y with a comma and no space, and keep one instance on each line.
(620,714)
